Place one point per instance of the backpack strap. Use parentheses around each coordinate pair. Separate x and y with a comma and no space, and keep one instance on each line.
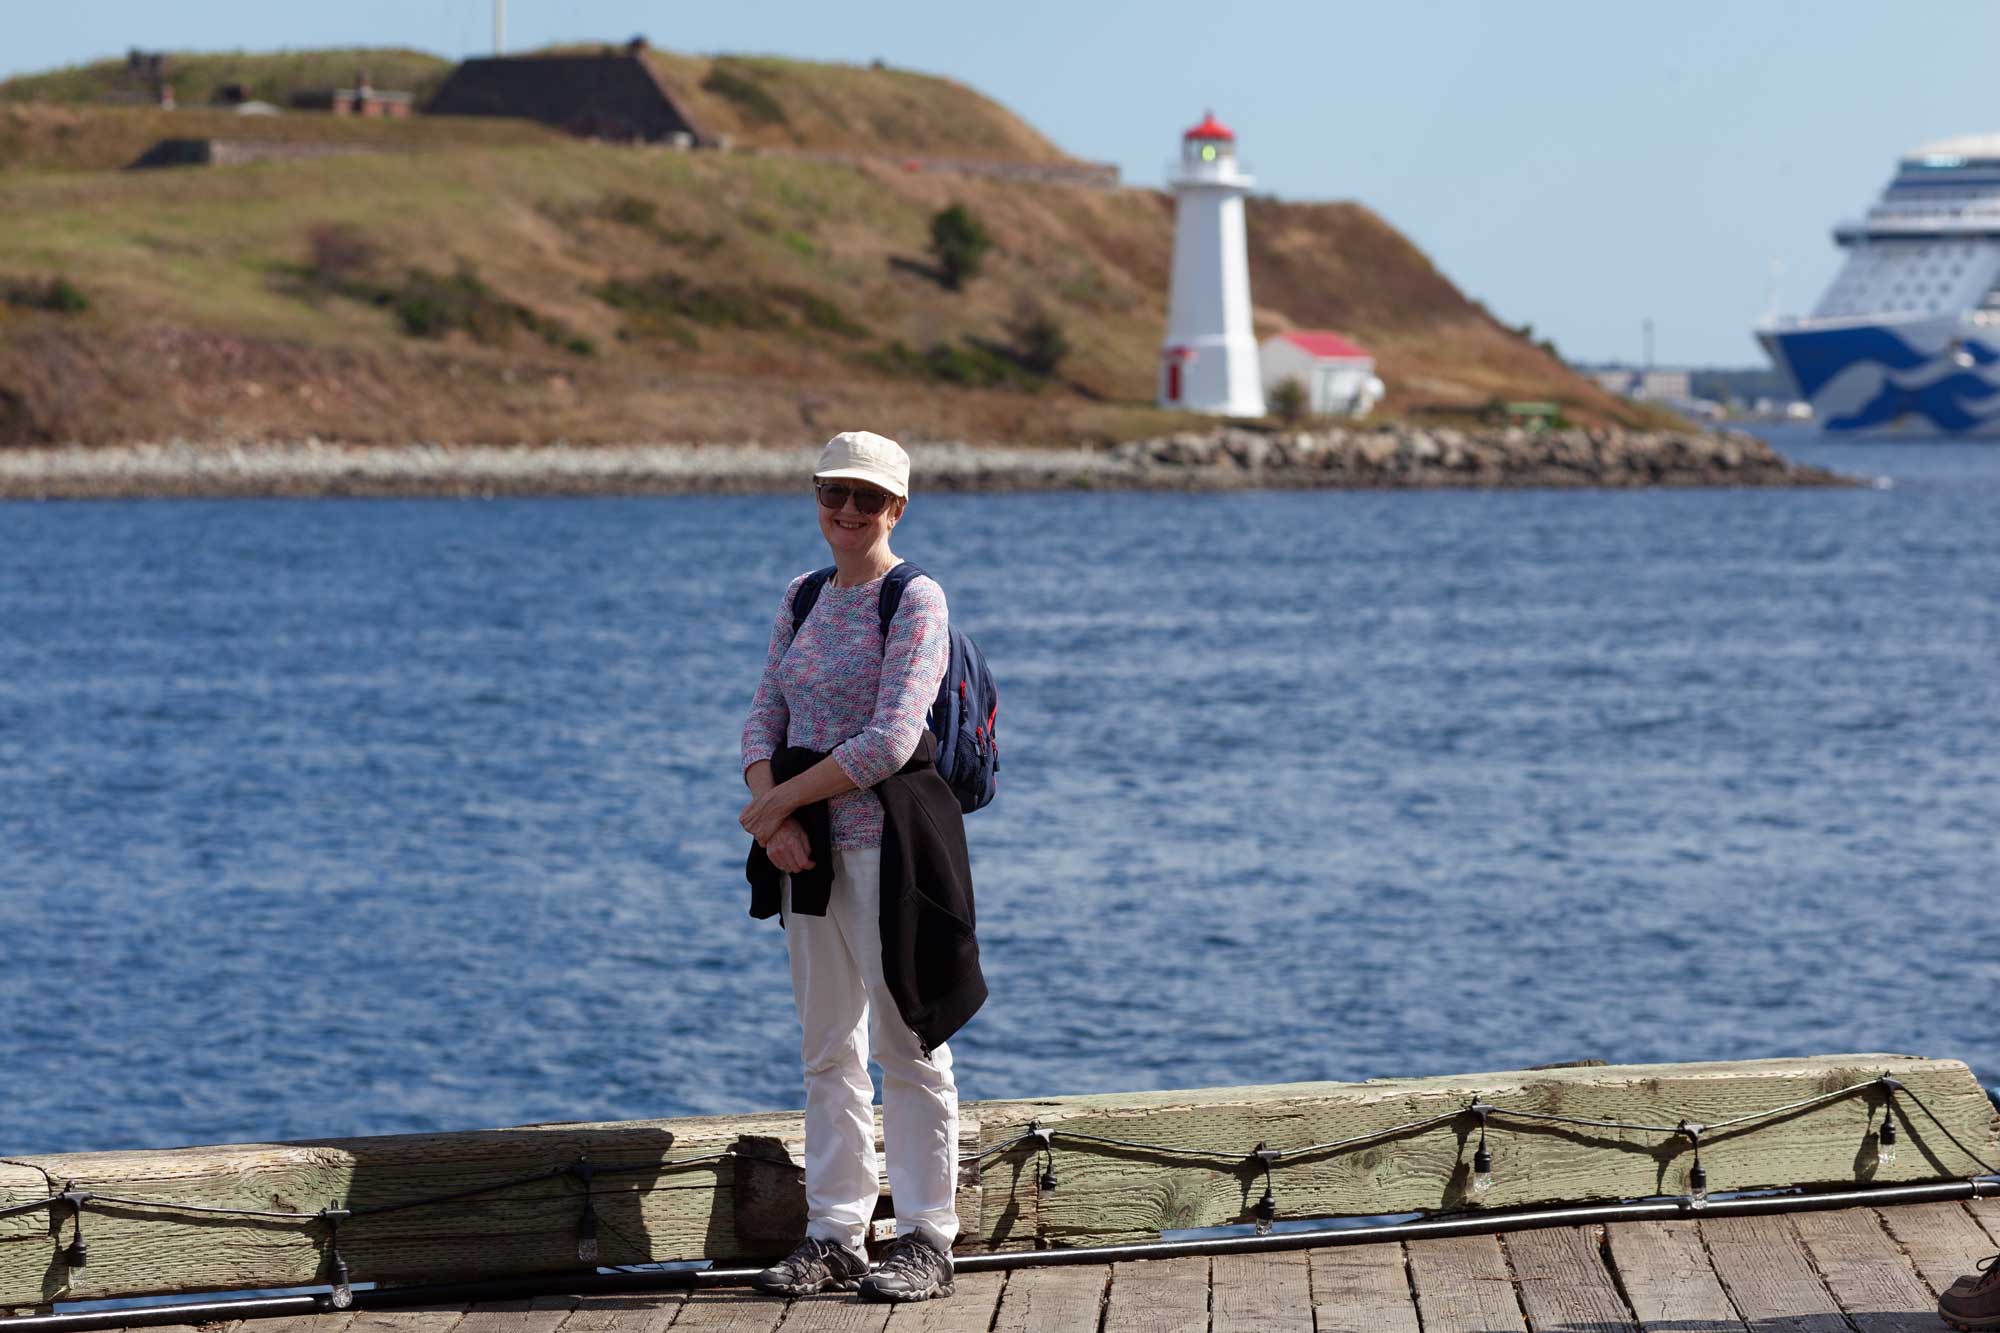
(807,596)
(893,584)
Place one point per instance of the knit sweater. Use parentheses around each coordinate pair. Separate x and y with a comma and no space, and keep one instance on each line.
(837,686)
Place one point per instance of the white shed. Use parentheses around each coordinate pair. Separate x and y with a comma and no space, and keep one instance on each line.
(1338,375)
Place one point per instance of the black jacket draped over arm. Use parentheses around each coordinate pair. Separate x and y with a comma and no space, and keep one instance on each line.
(930,958)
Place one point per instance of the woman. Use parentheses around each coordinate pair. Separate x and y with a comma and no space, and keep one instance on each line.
(859,844)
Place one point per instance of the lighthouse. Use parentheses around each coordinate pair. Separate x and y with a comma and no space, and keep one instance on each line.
(1209,361)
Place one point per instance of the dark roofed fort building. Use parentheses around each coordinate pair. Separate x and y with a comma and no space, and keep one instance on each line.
(617,94)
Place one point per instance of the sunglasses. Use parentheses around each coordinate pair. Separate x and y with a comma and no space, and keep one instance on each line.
(833,495)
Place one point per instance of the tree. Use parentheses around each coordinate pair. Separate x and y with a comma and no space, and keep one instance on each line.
(1036,337)
(1287,400)
(960,242)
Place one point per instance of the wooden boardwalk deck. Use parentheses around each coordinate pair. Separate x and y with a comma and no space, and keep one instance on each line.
(1868,1270)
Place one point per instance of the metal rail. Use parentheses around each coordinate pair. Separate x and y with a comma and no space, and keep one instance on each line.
(600,1284)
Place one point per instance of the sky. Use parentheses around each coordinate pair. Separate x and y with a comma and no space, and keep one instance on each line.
(1582,167)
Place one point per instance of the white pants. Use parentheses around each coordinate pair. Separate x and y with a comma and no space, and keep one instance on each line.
(845,1008)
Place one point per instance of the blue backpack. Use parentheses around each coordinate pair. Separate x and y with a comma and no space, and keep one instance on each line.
(964,718)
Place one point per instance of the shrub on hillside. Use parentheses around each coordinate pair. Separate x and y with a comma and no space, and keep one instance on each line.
(1287,399)
(339,256)
(960,242)
(968,365)
(58,295)
(629,209)
(430,305)
(820,313)
(1036,337)
(654,302)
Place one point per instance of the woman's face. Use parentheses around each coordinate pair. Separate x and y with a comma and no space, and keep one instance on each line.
(847,530)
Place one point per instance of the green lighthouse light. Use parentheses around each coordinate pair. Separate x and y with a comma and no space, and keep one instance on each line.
(1208,152)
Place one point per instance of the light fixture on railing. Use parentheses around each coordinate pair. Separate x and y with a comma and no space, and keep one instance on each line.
(1482,1160)
(1697,1195)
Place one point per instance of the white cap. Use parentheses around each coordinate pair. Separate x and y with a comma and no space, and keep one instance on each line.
(865,456)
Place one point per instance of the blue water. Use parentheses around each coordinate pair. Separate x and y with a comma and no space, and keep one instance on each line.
(360,817)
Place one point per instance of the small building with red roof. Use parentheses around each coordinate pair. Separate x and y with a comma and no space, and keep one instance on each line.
(1337,373)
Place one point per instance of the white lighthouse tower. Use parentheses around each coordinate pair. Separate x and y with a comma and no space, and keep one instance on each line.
(1209,361)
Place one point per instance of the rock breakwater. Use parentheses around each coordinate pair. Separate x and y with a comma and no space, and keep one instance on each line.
(1380,458)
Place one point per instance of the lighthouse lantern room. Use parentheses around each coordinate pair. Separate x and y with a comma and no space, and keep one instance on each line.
(1209,362)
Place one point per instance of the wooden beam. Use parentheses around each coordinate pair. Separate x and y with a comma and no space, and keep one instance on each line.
(1107,1194)
(683,1201)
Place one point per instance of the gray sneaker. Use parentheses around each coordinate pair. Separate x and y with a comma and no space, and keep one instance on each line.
(915,1270)
(815,1265)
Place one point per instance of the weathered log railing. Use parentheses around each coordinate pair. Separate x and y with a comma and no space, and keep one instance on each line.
(730,1188)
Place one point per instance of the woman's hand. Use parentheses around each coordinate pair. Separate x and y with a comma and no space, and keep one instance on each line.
(761,818)
(789,849)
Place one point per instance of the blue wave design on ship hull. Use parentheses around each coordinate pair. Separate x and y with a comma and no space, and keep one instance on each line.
(1942,403)
(1817,358)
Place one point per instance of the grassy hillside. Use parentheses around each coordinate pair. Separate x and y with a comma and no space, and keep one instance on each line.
(42,136)
(766,101)
(272,77)
(507,284)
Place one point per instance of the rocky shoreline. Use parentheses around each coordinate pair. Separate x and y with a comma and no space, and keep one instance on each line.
(1389,457)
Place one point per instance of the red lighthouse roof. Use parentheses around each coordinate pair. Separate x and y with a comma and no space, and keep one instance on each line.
(1210,128)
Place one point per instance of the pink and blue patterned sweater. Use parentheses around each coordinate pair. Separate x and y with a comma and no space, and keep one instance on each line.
(837,686)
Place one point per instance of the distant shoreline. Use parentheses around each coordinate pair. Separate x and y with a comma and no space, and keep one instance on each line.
(1398,457)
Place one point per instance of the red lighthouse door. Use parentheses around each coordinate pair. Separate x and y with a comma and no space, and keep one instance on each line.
(1173,381)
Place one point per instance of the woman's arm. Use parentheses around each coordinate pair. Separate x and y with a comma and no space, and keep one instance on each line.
(771,808)
(914,659)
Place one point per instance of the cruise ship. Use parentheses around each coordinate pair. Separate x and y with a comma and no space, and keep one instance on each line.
(1907,340)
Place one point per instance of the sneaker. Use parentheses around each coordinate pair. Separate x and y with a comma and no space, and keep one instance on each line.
(1974,1302)
(915,1270)
(815,1265)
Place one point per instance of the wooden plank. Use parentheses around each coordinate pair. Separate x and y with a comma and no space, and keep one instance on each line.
(1109,1193)
(536,1314)
(650,1312)
(332,1321)
(836,1312)
(1667,1279)
(1942,1240)
(1986,1212)
(1768,1275)
(1105,1194)
(1362,1289)
(729,1310)
(414,1319)
(1261,1293)
(1463,1286)
(1053,1300)
(1867,1272)
(1158,1296)
(970,1309)
(1563,1282)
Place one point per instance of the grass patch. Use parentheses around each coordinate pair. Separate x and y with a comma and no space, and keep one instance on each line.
(968,365)
(343,261)
(820,313)
(671,296)
(735,82)
(664,304)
